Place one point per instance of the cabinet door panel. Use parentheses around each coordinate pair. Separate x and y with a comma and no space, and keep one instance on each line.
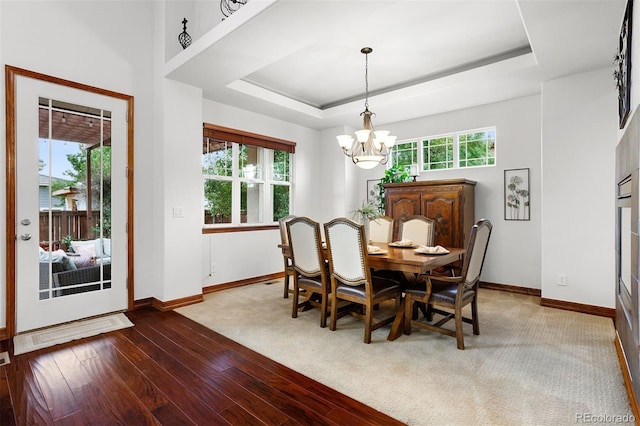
(403,205)
(443,209)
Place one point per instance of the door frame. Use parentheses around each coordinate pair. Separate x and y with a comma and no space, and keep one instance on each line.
(10,238)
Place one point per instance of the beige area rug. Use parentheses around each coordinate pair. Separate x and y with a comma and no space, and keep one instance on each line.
(47,337)
(530,365)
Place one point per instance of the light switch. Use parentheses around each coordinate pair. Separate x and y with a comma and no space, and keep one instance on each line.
(178,212)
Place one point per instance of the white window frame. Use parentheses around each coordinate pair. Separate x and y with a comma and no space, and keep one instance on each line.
(265,179)
(456,148)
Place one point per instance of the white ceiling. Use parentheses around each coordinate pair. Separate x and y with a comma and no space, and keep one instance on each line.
(300,60)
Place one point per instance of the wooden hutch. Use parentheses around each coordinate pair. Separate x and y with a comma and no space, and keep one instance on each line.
(449,202)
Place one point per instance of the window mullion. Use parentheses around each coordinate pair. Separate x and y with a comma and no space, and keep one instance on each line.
(456,150)
(235,189)
(267,174)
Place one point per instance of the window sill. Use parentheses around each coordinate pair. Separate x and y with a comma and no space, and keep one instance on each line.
(238,228)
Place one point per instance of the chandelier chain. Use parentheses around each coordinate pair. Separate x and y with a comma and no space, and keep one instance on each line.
(366,81)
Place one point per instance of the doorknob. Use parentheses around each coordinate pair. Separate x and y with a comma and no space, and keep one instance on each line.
(25,222)
(25,237)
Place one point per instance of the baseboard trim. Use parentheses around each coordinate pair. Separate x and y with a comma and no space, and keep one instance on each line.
(240,283)
(553,303)
(626,375)
(142,303)
(176,303)
(511,288)
(579,307)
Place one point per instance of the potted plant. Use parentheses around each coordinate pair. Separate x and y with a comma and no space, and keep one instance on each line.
(393,174)
(366,214)
(65,243)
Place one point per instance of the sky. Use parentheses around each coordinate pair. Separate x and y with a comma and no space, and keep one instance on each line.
(58,162)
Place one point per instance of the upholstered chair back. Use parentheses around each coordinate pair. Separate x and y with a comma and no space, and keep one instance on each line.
(284,239)
(381,229)
(476,251)
(418,229)
(347,251)
(306,246)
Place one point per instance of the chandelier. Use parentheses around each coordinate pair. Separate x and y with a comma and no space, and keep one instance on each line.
(370,147)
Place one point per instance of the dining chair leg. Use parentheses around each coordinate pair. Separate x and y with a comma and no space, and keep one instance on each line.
(474,315)
(334,311)
(368,322)
(294,305)
(286,284)
(459,331)
(323,313)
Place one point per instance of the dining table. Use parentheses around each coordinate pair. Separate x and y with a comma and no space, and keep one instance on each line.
(412,264)
(409,262)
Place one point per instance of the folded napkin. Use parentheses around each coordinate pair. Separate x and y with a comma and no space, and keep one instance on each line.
(432,250)
(373,249)
(403,243)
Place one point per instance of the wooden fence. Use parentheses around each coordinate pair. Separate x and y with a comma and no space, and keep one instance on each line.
(77,224)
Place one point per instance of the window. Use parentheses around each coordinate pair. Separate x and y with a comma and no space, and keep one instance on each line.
(405,154)
(477,148)
(437,153)
(451,151)
(247,177)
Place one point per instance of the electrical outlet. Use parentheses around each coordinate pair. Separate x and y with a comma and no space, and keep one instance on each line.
(562,279)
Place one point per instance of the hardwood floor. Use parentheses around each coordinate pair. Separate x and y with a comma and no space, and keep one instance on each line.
(166,370)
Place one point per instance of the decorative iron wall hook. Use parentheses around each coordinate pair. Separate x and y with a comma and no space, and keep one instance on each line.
(184,38)
(227,7)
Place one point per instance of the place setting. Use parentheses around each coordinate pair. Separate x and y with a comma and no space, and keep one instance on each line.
(403,244)
(436,250)
(376,250)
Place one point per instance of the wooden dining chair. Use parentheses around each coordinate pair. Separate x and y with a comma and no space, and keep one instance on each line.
(309,265)
(452,293)
(419,229)
(351,278)
(286,256)
(381,229)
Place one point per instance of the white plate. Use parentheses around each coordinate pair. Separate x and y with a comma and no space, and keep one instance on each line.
(379,252)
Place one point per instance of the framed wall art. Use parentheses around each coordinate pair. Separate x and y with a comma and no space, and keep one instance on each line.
(516,194)
(622,66)
(373,192)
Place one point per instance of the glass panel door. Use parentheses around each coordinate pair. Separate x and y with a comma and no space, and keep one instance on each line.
(71,214)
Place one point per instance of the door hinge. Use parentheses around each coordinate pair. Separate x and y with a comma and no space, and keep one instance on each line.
(126,172)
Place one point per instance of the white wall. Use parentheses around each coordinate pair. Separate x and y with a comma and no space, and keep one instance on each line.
(242,255)
(179,182)
(78,41)
(578,233)
(513,257)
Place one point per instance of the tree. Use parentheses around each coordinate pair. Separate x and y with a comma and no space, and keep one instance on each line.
(217,193)
(100,159)
(281,171)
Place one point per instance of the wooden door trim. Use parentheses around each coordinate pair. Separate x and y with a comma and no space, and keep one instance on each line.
(10,237)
